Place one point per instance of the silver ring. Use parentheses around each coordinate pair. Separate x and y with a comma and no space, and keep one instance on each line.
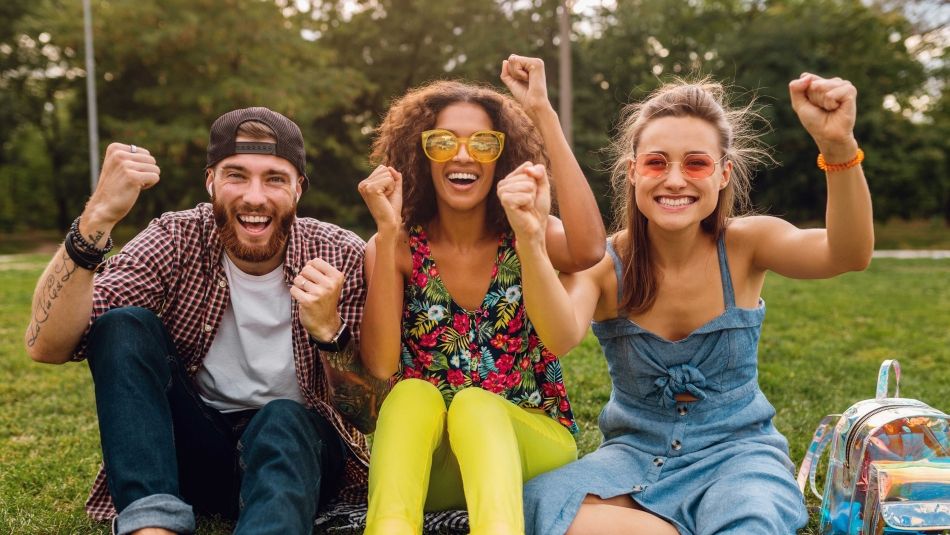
(132,149)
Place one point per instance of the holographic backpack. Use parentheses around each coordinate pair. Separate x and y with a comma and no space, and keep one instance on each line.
(888,469)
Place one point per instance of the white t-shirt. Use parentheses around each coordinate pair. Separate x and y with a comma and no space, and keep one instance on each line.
(251,360)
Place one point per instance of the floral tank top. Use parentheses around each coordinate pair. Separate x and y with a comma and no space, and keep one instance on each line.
(493,347)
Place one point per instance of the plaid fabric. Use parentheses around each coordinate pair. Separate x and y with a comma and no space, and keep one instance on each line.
(173,268)
(344,519)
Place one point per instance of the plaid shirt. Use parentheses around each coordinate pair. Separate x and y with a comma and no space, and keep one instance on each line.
(174,268)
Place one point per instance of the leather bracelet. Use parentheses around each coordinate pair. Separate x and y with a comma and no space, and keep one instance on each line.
(81,242)
(82,259)
(338,343)
(832,167)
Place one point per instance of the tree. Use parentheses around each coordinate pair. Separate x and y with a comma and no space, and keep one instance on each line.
(758,47)
(169,68)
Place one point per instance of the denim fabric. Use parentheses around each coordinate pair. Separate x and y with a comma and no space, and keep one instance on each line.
(164,448)
(715,465)
(162,510)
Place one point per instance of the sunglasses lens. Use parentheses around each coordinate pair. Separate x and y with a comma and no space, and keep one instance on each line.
(484,147)
(655,165)
(651,165)
(441,146)
(698,165)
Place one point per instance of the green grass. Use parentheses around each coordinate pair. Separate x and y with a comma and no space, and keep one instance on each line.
(821,347)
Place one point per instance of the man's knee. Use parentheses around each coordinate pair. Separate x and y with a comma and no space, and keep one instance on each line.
(282,413)
(126,317)
(284,424)
(127,338)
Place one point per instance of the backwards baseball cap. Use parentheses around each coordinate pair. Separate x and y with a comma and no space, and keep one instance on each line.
(289,145)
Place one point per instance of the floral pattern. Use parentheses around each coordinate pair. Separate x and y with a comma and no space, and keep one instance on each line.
(493,347)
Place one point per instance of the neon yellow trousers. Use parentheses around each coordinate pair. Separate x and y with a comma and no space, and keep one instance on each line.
(476,454)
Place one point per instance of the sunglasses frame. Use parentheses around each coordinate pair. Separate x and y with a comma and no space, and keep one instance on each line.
(500,136)
(669,165)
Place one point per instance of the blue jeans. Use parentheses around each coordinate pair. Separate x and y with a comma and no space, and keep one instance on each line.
(164,448)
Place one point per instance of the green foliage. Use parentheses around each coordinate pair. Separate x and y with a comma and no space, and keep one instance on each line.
(166,69)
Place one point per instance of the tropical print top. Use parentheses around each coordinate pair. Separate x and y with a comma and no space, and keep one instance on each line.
(494,347)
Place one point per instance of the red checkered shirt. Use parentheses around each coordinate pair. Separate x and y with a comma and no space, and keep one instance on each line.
(174,268)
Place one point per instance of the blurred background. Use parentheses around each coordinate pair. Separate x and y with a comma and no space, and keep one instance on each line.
(165,69)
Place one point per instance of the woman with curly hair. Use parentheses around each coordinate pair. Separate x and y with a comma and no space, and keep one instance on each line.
(689,444)
(479,404)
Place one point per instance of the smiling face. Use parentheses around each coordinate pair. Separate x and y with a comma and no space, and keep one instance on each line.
(255,201)
(461,183)
(676,201)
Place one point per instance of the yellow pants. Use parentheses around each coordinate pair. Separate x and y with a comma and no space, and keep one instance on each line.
(477,453)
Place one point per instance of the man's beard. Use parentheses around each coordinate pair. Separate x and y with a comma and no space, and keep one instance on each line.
(226,220)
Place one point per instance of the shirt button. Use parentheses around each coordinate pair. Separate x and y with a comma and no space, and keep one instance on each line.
(658,461)
(222,283)
(677,444)
(192,369)
(208,327)
(682,410)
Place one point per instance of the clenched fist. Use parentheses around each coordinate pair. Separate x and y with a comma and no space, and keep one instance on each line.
(317,291)
(125,173)
(525,194)
(526,80)
(382,193)
(827,109)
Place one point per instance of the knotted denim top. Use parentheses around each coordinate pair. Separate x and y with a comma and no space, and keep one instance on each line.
(716,363)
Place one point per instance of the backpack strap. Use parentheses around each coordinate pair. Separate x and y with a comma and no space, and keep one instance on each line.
(809,466)
(883,376)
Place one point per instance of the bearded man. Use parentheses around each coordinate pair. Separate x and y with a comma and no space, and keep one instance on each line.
(222,341)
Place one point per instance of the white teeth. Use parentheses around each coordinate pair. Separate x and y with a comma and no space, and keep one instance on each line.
(675,201)
(462,176)
(254,218)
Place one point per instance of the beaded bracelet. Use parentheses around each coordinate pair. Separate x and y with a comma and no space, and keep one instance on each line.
(83,259)
(81,242)
(832,167)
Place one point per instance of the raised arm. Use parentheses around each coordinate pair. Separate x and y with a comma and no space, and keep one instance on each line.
(382,192)
(579,243)
(561,319)
(327,297)
(62,301)
(827,109)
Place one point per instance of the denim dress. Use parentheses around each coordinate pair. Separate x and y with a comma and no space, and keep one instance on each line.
(715,465)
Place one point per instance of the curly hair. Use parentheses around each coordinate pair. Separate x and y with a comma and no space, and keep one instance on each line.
(398,143)
(740,144)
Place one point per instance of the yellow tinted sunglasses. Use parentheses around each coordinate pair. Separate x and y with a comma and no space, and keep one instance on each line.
(442,145)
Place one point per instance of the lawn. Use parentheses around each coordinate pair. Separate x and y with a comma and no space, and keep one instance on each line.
(821,347)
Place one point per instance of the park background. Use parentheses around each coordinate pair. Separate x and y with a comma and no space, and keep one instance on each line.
(165,69)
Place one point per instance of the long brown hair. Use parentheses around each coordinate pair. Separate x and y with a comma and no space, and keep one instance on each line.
(398,143)
(703,99)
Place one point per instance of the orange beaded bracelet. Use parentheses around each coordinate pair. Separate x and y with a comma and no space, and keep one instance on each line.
(832,167)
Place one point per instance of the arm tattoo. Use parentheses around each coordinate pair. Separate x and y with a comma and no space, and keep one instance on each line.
(94,238)
(355,393)
(49,291)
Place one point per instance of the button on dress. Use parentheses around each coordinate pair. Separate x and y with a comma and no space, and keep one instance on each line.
(715,465)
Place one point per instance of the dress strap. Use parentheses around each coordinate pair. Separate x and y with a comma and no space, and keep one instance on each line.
(728,294)
(618,269)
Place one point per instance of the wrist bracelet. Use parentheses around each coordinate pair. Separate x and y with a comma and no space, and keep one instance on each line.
(82,259)
(81,242)
(832,167)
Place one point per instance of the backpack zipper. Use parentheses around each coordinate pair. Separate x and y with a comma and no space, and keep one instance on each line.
(852,434)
